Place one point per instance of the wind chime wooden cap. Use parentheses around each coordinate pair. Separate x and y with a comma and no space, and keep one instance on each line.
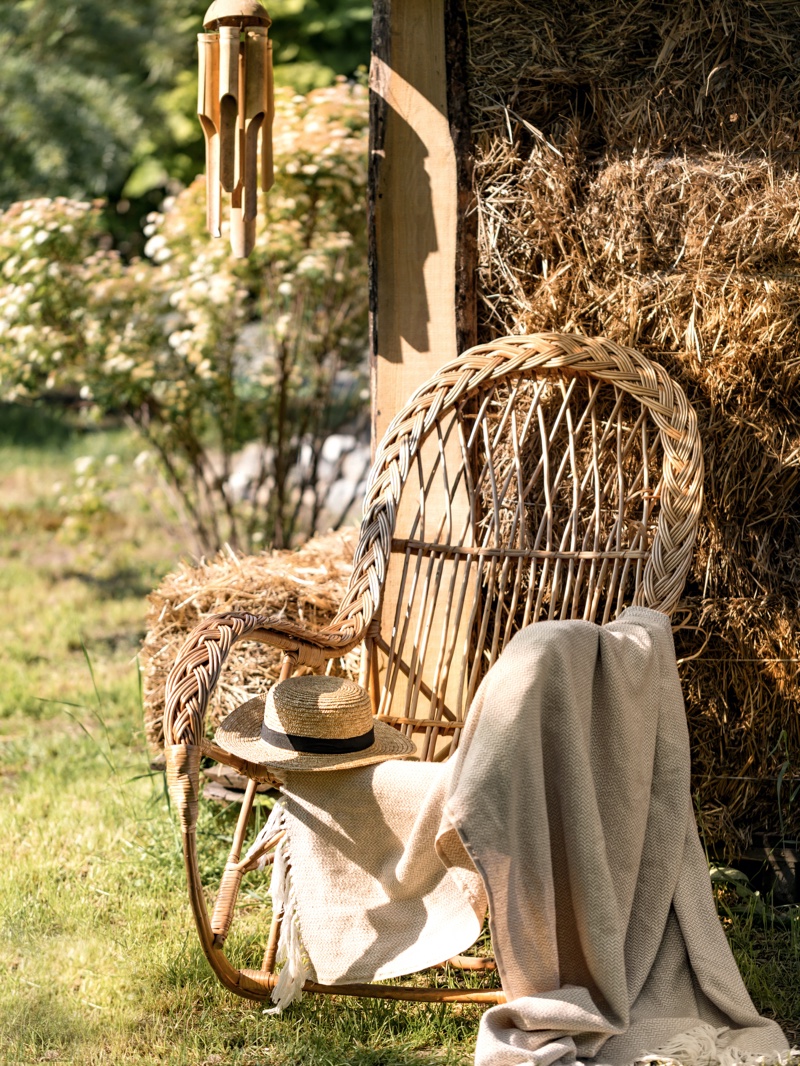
(236,13)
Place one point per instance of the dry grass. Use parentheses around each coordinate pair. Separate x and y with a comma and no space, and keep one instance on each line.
(307,585)
(636,178)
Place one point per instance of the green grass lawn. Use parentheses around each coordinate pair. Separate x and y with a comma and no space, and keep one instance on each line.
(98,956)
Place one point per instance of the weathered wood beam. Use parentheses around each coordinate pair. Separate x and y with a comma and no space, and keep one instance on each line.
(421,226)
(422,246)
(458,113)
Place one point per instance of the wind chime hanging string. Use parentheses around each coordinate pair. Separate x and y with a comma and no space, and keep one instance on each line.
(235,103)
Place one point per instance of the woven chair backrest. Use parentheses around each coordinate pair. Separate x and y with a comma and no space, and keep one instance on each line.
(539,477)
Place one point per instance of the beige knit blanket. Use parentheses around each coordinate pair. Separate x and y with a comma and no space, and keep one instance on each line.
(365,893)
(570,792)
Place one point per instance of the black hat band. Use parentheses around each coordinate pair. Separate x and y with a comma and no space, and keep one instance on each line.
(317,745)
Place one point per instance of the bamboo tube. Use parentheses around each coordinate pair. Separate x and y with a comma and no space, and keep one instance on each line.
(238,228)
(228,105)
(208,113)
(267,169)
(256,56)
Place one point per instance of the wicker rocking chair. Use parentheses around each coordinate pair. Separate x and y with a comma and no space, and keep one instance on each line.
(538,477)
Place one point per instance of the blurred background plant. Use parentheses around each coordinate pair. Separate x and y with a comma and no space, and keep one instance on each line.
(235,373)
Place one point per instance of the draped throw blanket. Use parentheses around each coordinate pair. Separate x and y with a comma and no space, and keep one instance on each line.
(570,794)
(365,885)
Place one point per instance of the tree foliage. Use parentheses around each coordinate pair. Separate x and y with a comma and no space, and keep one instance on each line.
(315,40)
(98,100)
(78,87)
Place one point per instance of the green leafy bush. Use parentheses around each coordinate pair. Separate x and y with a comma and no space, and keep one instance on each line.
(201,352)
(99,99)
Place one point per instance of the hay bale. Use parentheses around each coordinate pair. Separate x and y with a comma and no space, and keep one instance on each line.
(623,74)
(636,178)
(307,585)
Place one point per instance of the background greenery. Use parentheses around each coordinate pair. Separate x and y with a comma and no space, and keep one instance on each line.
(98,100)
(133,313)
(202,353)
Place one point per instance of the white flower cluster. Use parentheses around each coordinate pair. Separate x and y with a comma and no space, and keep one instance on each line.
(39,241)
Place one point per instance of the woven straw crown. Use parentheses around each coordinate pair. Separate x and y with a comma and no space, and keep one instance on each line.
(311,723)
(328,707)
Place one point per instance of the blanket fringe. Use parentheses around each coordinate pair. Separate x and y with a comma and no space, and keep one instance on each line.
(291,953)
(701,1046)
(273,826)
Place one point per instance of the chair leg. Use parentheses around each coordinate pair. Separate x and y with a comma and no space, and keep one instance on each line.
(232,876)
(271,952)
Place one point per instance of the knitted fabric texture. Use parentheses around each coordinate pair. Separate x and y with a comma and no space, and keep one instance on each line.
(370,897)
(570,793)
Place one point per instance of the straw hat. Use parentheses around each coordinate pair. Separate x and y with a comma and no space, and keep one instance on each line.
(311,723)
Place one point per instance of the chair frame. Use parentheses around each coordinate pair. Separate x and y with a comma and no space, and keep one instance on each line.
(658,585)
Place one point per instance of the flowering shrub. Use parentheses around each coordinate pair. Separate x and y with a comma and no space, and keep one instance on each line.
(200,351)
(43,246)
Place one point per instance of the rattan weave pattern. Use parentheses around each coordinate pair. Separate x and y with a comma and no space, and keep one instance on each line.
(681,495)
(200,661)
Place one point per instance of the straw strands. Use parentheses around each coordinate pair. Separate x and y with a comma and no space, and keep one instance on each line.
(307,585)
(637,178)
(668,74)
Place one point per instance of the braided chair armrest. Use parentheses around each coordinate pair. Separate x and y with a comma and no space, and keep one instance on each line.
(194,677)
(199,663)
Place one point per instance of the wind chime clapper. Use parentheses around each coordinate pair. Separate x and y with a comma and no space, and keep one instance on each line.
(236,104)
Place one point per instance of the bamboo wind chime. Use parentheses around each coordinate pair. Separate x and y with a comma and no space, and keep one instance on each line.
(235,104)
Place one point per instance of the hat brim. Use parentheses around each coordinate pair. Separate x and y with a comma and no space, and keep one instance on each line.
(240,734)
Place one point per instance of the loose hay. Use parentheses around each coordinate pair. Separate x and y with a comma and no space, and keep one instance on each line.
(636,177)
(307,585)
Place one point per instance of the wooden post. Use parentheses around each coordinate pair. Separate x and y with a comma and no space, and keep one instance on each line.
(421,226)
(422,301)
